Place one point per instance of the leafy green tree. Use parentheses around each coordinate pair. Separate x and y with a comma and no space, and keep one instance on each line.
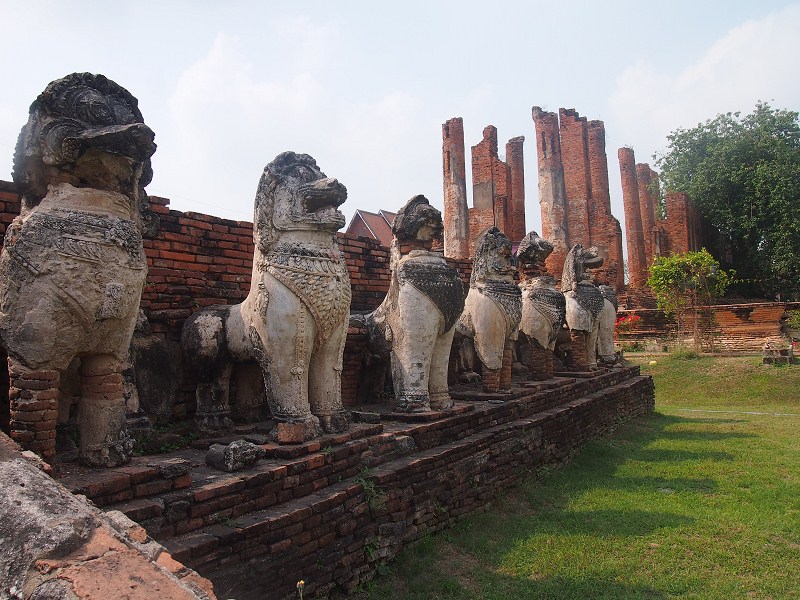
(743,175)
(685,286)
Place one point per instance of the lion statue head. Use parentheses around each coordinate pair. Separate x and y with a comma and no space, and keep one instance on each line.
(87,131)
(295,195)
(576,266)
(417,221)
(532,252)
(492,258)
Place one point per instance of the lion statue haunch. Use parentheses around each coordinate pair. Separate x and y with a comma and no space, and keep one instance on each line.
(73,267)
(417,319)
(294,320)
(584,304)
(493,309)
(543,306)
(605,333)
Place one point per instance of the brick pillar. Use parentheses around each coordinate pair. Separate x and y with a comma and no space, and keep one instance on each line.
(505,371)
(677,224)
(580,358)
(647,208)
(514,158)
(552,194)
(101,413)
(633,219)
(575,158)
(502,195)
(491,380)
(482,213)
(34,408)
(456,211)
(605,230)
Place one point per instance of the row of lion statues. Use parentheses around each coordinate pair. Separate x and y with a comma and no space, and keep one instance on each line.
(73,268)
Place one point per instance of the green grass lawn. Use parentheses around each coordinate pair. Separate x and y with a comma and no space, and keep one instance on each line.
(699,500)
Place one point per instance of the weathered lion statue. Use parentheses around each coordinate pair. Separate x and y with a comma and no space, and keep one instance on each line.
(543,306)
(493,309)
(584,303)
(294,320)
(416,321)
(73,266)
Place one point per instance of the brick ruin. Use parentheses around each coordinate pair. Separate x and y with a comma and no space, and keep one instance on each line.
(498,189)
(650,233)
(574,191)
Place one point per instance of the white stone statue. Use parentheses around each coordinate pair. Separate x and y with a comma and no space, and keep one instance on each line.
(493,309)
(543,305)
(416,320)
(73,267)
(294,320)
(584,304)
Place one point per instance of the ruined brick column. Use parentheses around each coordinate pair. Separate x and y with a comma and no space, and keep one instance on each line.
(605,230)
(101,415)
(34,408)
(575,158)
(633,219)
(482,214)
(678,225)
(502,195)
(456,210)
(647,208)
(514,158)
(552,194)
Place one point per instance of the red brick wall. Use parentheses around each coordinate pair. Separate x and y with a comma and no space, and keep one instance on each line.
(484,159)
(456,211)
(637,262)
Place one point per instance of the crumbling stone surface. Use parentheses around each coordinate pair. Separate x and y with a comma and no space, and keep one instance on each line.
(416,321)
(73,266)
(294,320)
(54,545)
(236,456)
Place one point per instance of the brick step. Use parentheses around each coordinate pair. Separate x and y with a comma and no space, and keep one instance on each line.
(396,502)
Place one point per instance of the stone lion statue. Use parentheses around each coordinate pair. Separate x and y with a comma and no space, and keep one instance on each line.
(584,303)
(73,267)
(493,309)
(543,306)
(416,321)
(294,319)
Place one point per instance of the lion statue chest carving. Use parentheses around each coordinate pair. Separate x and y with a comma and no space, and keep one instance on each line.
(493,309)
(73,266)
(416,321)
(294,319)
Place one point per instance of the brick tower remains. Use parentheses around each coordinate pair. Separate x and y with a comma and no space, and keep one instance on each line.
(456,212)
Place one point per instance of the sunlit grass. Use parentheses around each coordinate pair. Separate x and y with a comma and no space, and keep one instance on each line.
(680,504)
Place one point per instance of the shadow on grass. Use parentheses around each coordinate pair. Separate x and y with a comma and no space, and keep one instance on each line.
(465,561)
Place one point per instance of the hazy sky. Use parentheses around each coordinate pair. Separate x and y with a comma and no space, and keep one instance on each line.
(364,87)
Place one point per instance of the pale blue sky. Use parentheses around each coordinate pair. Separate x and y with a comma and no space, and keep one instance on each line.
(365,86)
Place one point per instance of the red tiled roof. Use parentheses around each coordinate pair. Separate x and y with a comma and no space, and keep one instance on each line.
(379,225)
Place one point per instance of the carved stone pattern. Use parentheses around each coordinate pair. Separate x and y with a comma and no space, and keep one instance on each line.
(440,283)
(590,298)
(549,302)
(608,294)
(324,288)
(508,296)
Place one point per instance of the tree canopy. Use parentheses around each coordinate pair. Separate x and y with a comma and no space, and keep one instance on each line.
(743,175)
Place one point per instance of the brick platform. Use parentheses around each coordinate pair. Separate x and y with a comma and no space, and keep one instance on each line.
(343,504)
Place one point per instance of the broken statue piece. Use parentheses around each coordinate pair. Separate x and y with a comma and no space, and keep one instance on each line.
(237,455)
(493,309)
(543,306)
(73,267)
(416,321)
(294,319)
(584,303)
